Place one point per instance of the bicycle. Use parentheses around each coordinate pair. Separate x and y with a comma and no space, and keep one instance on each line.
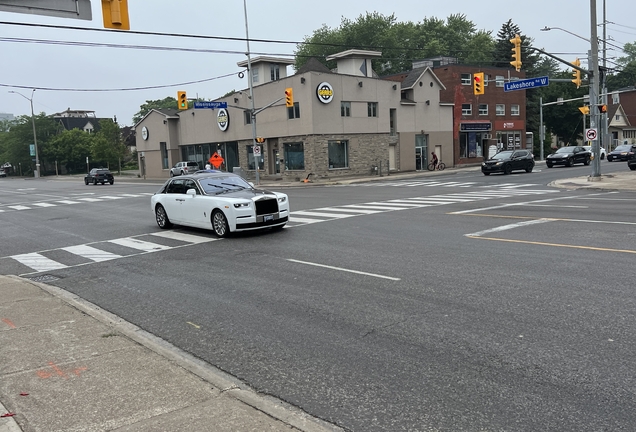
(440,166)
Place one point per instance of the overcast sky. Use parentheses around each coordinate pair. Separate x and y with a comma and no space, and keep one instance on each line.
(27,65)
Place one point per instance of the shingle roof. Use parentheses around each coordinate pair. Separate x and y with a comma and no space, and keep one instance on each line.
(313,65)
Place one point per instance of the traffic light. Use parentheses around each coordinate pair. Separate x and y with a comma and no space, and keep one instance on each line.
(602,109)
(478,83)
(576,73)
(585,109)
(115,14)
(182,100)
(260,139)
(289,97)
(516,52)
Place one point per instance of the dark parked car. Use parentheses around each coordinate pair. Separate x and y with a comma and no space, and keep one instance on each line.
(508,161)
(568,156)
(99,175)
(620,153)
(631,158)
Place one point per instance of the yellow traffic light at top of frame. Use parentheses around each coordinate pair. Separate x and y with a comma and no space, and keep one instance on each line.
(289,97)
(516,52)
(478,83)
(115,13)
(576,73)
(182,100)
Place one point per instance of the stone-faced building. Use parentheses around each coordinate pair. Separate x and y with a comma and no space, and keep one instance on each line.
(342,123)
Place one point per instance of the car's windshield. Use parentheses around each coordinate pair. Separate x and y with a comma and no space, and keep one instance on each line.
(623,148)
(221,184)
(565,150)
(503,155)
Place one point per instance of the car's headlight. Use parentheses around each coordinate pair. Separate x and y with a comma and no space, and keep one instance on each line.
(498,163)
(282,199)
(483,164)
(243,204)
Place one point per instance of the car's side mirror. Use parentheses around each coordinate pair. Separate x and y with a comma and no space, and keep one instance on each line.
(191,192)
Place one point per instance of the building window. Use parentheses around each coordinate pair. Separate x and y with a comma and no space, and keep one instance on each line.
(164,155)
(500,109)
(250,158)
(338,154)
(514,110)
(467,109)
(345,109)
(392,130)
(248,117)
(372,109)
(466,79)
(274,72)
(483,109)
(293,111)
(254,75)
(499,81)
(294,155)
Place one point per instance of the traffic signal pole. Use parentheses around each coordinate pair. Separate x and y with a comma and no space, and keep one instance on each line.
(594,86)
(253,110)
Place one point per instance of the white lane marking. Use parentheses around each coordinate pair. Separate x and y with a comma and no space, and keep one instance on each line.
(556,205)
(514,204)
(344,270)
(68,202)
(402,203)
(131,195)
(139,244)
(508,227)
(451,198)
(325,215)
(91,253)
(358,211)
(175,235)
(90,199)
(292,218)
(38,262)
(376,207)
(19,207)
(110,197)
(426,202)
(45,204)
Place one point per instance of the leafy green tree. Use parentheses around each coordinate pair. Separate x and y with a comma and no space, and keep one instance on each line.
(630,50)
(108,145)
(166,103)
(71,148)
(16,141)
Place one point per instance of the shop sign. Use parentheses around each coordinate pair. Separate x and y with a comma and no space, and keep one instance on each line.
(475,127)
(324,91)
(223,119)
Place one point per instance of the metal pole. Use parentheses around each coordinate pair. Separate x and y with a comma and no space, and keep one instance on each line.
(35,140)
(606,137)
(541,134)
(253,114)
(594,87)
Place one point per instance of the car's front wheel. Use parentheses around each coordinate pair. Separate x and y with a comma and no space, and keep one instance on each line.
(86,181)
(632,167)
(569,162)
(112,181)
(529,168)
(549,165)
(219,224)
(171,174)
(587,161)
(95,182)
(162,217)
(486,174)
(508,169)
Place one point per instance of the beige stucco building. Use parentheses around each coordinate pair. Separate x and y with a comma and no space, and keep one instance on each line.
(342,123)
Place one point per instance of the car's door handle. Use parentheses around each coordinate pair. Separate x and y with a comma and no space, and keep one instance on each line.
(179,199)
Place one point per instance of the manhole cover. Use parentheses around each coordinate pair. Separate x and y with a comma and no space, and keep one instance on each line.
(44,278)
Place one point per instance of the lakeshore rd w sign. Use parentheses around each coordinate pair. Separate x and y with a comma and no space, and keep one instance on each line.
(526,83)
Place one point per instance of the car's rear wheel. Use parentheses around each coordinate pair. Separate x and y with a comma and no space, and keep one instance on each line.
(162,217)
(549,165)
(602,156)
(529,168)
(632,167)
(486,173)
(95,182)
(587,161)
(508,169)
(569,162)
(219,224)
(171,174)
(86,182)
(112,181)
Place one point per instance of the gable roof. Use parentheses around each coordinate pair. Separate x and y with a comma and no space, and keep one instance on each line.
(166,112)
(313,65)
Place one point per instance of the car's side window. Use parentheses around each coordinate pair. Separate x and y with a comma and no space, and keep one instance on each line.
(176,187)
(189,184)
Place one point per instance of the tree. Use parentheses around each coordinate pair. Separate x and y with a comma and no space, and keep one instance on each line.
(15,142)
(108,145)
(630,50)
(166,103)
(71,148)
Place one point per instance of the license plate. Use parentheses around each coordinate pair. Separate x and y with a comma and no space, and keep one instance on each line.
(268,218)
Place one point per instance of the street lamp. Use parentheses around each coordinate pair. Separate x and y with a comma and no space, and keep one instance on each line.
(546,28)
(35,139)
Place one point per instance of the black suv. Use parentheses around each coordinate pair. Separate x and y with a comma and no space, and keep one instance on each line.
(570,155)
(99,175)
(631,158)
(508,161)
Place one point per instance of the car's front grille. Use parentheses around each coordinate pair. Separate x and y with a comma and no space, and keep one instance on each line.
(266,206)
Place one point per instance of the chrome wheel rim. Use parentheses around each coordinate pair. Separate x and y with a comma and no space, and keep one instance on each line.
(161,217)
(219,224)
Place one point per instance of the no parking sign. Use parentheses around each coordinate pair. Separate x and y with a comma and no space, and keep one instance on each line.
(590,134)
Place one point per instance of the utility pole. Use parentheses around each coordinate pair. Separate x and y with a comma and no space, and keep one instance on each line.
(594,87)
(605,133)
(253,111)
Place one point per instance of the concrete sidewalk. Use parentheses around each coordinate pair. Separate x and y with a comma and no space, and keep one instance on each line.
(67,365)
(618,181)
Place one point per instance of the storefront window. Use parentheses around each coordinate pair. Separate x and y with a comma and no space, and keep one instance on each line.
(294,155)
(338,154)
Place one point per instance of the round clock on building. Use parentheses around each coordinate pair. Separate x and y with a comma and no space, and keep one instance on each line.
(144,133)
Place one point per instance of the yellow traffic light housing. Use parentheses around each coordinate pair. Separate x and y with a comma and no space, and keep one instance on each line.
(289,97)
(576,73)
(602,109)
(585,109)
(115,14)
(478,83)
(182,100)
(516,52)
(260,139)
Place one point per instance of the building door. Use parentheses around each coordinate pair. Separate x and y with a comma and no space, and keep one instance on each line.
(391,157)
(421,152)
(274,164)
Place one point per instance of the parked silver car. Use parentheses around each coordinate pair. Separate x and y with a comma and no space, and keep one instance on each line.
(185,167)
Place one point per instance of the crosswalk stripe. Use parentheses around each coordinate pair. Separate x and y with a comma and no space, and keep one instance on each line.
(176,235)
(139,244)
(38,262)
(111,197)
(131,195)
(90,199)
(403,202)
(68,202)
(91,253)
(292,218)
(19,207)
(377,207)
(357,211)
(319,214)
(45,204)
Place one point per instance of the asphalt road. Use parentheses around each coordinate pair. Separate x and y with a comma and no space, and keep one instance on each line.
(455,302)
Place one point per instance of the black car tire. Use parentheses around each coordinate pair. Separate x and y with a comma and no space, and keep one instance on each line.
(602,156)
(632,167)
(182,173)
(486,173)
(569,163)
(219,224)
(171,174)
(507,169)
(111,182)
(86,181)
(549,165)
(587,161)
(529,168)
(162,217)
(95,182)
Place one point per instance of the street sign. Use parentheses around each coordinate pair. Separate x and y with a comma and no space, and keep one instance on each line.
(526,83)
(590,134)
(31,149)
(210,105)
(216,160)
(257,150)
